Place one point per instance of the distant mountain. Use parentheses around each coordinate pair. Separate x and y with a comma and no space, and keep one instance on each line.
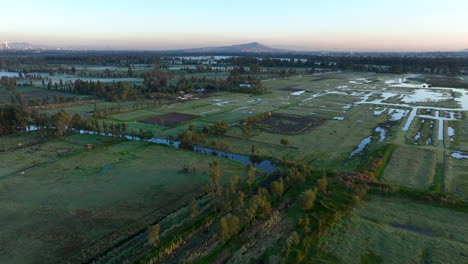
(465,50)
(253,47)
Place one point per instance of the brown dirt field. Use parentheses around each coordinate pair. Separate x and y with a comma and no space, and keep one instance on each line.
(287,124)
(169,119)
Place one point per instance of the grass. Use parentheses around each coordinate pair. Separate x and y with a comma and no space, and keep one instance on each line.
(74,199)
(24,152)
(411,167)
(461,134)
(456,180)
(379,229)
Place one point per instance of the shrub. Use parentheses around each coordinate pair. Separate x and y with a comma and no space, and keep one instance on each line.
(307,199)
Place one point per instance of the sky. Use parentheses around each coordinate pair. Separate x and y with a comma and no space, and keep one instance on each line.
(319,25)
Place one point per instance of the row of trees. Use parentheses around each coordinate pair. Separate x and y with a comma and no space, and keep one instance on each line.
(367,62)
(159,83)
(114,92)
(18,119)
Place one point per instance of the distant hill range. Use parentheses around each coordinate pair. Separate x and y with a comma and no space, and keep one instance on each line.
(465,50)
(253,47)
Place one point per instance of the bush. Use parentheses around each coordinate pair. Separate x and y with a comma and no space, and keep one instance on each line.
(284,141)
(219,128)
(307,199)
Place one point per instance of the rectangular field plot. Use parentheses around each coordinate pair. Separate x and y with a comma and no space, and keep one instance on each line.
(457,134)
(411,167)
(394,230)
(422,132)
(169,119)
(456,177)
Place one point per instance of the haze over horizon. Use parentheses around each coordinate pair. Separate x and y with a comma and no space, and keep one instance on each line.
(334,25)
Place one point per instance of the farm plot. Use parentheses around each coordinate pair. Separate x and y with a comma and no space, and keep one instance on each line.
(422,132)
(394,230)
(20,153)
(169,119)
(287,124)
(56,210)
(457,132)
(456,177)
(411,167)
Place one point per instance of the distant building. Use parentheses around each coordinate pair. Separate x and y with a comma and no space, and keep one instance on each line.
(245,85)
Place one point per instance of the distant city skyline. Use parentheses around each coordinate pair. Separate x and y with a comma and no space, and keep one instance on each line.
(334,25)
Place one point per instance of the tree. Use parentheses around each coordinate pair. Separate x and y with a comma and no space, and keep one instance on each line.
(9,84)
(229,225)
(284,141)
(255,69)
(76,121)
(307,199)
(246,132)
(322,183)
(215,175)
(61,120)
(153,234)
(130,71)
(233,224)
(250,175)
(194,209)
(223,228)
(277,188)
(124,128)
(219,128)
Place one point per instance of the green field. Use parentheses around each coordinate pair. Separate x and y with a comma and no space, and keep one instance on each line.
(411,167)
(395,230)
(81,198)
(456,181)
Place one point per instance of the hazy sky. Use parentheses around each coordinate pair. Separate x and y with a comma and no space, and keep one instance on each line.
(358,25)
